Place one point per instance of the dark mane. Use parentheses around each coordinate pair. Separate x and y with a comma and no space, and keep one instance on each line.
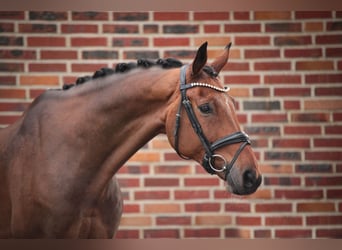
(125,67)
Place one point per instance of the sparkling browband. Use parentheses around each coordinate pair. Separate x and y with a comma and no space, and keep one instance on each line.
(206,85)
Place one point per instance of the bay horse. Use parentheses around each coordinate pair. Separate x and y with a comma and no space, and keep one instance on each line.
(58,161)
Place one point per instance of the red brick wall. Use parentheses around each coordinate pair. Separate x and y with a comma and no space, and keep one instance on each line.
(285,72)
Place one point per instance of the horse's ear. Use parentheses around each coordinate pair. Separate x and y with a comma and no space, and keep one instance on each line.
(220,61)
(200,59)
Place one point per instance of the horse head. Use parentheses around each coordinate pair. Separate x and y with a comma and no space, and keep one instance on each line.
(202,125)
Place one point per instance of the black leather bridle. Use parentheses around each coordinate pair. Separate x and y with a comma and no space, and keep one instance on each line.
(209,156)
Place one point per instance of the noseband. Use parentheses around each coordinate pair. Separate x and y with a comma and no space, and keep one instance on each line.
(209,156)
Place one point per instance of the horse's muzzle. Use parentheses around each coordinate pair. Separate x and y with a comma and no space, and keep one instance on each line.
(245,184)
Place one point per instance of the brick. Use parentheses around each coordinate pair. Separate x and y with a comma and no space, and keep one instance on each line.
(261,194)
(261,105)
(171,41)
(121,28)
(327,142)
(8,119)
(150,54)
(237,233)
(34,93)
(310,117)
(284,156)
(157,208)
(202,207)
(129,42)
(13,106)
(262,233)
(294,105)
(313,168)
(130,16)
(329,233)
(100,54)
(294,53)
(313,26)
(161,182)
(90,15)
(178,169)
(137,221)
(211,28)
(46,41)
(201,181)
(328,39)
(161,233)
(333,52)
(18,54)
(220,41)
(263,92)
(324,220)
(293,233)
(129,182)
(262,131)
(202,233)
(39,80)
(173,220)
(265,53)
(333,129)
(269,118)
(11,67)
(334,26)
(150,28)
(283,27)
(337,116)
(132,169)
(37,28)
(292,40)
(272,15)
(323,181)
(12,15)
(252,40)
(151,195)
(241,27)
(284,220)
(292,91)
(237,207)
(324,156)
(334,193)
(79,28)
(48,15)
(7,80)
(180,29)
(206,16)
(47,67)
(6,27)
(168,16)
(131,208)
(242,79)
(88,41)
(186,195)
(241,15)
(212,220)
(314,65)
(312,207)
(291,143)
(11,93)
(248,221)
(11,41)
(58,54)
(323,78)
(127,234)
(298,194)
(89,68)
(273,208)
(312,14)
(281,181)
(264,66)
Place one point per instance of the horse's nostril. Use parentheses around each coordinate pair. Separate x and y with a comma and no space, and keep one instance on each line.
(249,179)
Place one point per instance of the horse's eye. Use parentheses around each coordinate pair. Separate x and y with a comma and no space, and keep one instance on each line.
(205,108)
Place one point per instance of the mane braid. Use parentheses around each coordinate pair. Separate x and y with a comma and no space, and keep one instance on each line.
(167,63)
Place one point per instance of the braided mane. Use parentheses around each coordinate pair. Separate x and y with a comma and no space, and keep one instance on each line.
(125,67)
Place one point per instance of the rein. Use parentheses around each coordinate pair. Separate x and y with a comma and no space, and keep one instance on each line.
(209,156)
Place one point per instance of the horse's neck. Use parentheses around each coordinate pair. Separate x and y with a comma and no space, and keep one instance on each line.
(117,118)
